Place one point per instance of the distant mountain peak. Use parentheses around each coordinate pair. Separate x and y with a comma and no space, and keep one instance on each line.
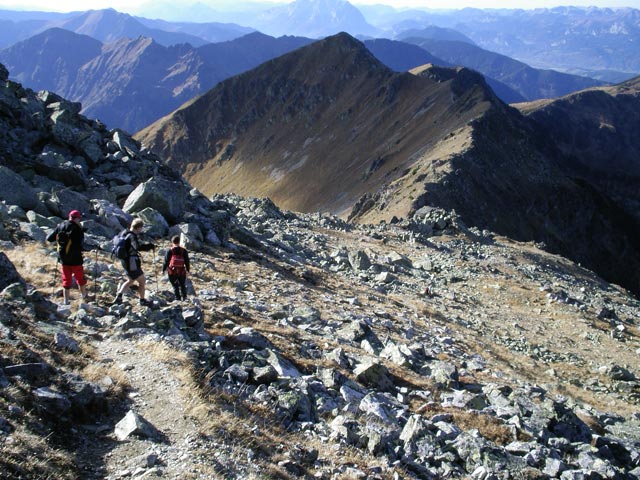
(315,18)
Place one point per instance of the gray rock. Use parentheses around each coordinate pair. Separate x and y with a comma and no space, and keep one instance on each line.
(155,224)
(64,342)
(52,401)
(250,337)
(464,399)
(375,375)
(284,367)
(331,378)
(414,428)
(398,354)
(8,273)
(351,395)
(33,231)
(86,397)
(67,199)
(133,424)
(16,191)
(294,405)
(40,220)
(554,467)
(264,375)
(445,374)
(381,406)
(398,260)
(125,143)
(354,331)
(619,373)
(61,167)
(359,260)
(193,317)
(237,373)
(305,314)
(339,357)
(346,430)
(167,197)
(30,371)
(385,277)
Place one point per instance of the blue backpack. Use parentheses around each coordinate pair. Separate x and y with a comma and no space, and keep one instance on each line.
(120,249)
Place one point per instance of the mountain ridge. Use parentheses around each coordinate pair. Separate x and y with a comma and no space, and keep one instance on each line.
(114,84)
(211,63)
(598,139)
(530,83)
(380,145)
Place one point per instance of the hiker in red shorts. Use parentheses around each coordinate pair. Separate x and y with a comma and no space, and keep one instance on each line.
(70,238)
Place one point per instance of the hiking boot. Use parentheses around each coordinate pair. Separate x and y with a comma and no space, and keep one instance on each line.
(145,303)
(117,300)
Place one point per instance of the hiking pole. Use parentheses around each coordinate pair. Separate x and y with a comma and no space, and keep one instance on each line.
(55,279)
(155,269)
(95,276)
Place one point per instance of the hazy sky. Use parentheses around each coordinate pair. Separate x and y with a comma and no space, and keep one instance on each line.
(127,5)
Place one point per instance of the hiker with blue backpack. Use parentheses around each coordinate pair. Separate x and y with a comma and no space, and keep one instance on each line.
(127,247)
(176,263)
(69,237)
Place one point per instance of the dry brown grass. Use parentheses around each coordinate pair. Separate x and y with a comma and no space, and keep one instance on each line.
(36,265)
(28,455)
(97,373)
(489,427)
(165,353)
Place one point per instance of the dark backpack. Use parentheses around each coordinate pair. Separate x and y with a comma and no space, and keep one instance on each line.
(63,239)
(120,249)
(177,263)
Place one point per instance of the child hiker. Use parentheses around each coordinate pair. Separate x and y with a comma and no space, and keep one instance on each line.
(176,263)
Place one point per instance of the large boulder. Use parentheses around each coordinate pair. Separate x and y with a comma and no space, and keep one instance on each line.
(16,191)
(155,224)
(8,273)
(165,196)
(65,200)
(57,164)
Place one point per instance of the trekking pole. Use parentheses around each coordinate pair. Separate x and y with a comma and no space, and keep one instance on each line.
(55,278)
(155,269)
(95,276)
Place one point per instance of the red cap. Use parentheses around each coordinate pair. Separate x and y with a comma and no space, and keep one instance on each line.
(75,214)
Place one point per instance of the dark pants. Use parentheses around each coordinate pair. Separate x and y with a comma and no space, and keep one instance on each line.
(178,282)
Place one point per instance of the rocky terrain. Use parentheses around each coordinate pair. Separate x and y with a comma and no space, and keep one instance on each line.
(310,347)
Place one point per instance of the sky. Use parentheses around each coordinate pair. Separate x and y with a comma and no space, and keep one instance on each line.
(130,5)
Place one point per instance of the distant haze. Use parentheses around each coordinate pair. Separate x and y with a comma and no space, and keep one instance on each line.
(134,5)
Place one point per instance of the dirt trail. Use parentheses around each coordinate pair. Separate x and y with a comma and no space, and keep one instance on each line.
(158,394)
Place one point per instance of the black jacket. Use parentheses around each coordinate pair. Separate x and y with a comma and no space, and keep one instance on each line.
(134,246)
(71,253)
